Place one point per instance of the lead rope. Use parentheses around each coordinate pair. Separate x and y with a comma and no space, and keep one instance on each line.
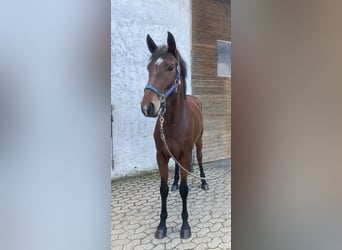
(162,136)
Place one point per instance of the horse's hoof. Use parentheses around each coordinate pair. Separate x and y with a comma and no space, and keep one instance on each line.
(205,186)
(161,233)
(185,233)
(174,187)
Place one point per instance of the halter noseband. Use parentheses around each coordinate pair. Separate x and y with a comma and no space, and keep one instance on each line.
(163,96)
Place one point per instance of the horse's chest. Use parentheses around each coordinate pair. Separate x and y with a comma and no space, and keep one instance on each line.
(176,133)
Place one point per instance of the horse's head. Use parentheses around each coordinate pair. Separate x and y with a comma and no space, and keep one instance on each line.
(164,76)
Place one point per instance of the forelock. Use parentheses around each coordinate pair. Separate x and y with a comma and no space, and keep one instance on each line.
(160,52)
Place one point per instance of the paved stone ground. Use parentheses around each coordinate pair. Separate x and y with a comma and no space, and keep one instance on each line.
(136,207)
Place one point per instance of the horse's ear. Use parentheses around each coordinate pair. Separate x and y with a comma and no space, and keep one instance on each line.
(150,44)
(171,43)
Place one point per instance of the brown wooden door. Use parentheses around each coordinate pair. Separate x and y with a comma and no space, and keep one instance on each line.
(210,23)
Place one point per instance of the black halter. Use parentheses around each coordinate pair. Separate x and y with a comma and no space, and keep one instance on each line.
(163,96)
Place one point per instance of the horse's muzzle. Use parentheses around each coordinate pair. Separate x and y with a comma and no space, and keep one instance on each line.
(149,110)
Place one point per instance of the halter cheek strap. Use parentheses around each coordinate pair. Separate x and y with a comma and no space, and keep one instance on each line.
(163,96)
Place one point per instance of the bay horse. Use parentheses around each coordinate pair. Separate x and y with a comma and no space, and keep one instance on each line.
(165,96)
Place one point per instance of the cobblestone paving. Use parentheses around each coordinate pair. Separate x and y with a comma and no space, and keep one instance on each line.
(136,207)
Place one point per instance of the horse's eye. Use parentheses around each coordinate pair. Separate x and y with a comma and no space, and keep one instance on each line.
(169,68)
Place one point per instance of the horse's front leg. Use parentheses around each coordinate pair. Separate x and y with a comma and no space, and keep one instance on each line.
(164,191)
(183,190)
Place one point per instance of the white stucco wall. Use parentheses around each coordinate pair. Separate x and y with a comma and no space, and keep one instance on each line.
(134,148)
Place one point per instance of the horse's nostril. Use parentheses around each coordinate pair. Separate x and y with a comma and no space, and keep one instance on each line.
(150,109)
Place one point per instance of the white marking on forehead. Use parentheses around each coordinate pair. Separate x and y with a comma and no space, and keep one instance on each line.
(159,61)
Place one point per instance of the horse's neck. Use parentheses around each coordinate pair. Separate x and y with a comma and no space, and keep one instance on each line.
(175,108)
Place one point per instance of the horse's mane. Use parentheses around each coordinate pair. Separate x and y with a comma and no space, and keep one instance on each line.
(162,51)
